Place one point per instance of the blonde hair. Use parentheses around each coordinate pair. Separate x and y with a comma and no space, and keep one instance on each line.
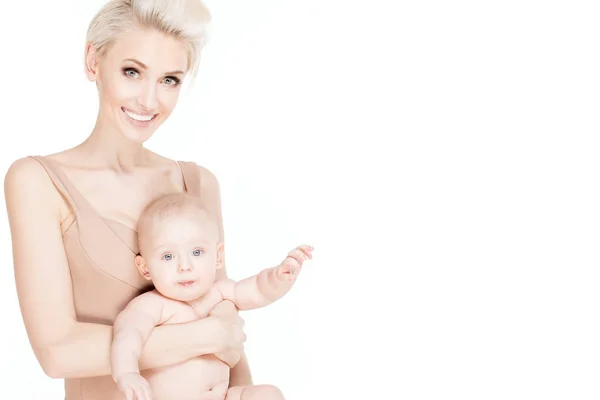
(186,20)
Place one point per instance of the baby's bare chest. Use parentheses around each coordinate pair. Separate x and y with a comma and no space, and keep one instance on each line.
(176,312)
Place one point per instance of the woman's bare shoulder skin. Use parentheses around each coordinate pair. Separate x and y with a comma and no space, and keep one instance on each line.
(27,180)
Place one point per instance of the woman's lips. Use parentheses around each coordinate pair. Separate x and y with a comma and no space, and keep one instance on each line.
(139,120)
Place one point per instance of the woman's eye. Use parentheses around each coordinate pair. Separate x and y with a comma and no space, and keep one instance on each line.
(197,252)
(131,72)
(171,81)
(168,257)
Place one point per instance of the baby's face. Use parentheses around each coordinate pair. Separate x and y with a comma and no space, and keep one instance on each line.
(182,254)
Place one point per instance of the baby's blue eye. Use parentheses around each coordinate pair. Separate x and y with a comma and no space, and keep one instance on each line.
(168,257)
(197,252)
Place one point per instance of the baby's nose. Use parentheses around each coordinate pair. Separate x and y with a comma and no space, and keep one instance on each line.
(185,266)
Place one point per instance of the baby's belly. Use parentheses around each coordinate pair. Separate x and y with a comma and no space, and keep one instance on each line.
(200,378)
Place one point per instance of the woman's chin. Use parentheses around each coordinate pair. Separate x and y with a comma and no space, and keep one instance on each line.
(137,137)
(139,132)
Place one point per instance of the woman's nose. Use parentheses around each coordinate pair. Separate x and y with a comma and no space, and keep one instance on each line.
(148,98)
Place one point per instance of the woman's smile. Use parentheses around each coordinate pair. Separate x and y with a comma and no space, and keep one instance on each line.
(137,119)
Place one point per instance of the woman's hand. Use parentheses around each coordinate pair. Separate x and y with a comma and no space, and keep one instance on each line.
(134,386)
(229,337)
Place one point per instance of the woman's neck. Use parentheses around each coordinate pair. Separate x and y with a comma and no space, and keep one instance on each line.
(108,149)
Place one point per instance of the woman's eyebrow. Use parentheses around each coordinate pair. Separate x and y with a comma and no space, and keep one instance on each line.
(144,66)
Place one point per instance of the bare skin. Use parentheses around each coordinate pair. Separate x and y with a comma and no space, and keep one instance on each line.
(111,160)
(182,257)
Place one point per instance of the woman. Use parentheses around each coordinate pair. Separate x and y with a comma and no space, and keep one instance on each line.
(73,214)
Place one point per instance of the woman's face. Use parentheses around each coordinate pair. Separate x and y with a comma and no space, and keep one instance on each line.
(139,80)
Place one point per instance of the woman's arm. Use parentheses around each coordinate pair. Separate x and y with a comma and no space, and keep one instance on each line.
(240,374)
(62,357)
(210,194)
(64,347)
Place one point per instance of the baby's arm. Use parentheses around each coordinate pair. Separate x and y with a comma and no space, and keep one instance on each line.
(131,328)
(269,285)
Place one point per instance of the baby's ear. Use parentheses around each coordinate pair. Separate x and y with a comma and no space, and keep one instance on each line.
(220,255)
(142,267)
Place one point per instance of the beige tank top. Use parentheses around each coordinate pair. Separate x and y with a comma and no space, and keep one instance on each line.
(101,256)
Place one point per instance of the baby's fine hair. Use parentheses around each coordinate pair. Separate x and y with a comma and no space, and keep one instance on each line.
(170,205)
(186,20)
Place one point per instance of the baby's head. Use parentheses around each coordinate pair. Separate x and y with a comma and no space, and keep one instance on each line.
(179,244)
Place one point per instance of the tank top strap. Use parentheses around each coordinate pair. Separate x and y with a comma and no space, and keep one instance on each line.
(191,177)
(77,202)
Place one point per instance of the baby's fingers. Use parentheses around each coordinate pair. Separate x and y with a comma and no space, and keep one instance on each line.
(304,251)
(298,255)
(307,250)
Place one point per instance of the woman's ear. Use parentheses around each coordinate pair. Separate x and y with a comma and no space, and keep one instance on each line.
(91,62)
(141,265)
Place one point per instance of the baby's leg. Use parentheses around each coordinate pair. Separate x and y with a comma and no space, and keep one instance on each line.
(254,392)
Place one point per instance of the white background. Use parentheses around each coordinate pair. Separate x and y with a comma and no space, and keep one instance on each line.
(442,157)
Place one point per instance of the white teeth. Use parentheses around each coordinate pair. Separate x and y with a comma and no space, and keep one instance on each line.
(138,117)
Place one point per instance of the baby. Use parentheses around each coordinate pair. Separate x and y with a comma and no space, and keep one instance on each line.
(180,252)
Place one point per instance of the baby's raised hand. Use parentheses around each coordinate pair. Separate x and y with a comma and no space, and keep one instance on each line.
(134,386)
(291,266)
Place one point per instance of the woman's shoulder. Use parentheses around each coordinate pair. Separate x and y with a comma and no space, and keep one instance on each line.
(26,172)
(192,167)
(204,175)
(27,182)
